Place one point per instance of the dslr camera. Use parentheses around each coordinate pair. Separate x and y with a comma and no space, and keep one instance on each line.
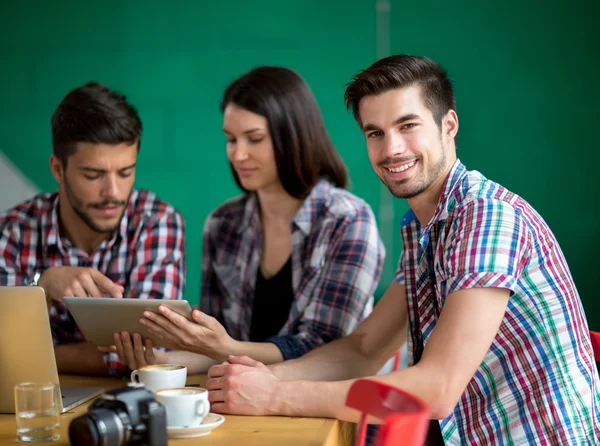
(125,416)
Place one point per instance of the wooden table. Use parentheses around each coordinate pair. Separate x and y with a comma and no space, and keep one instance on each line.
(236,430)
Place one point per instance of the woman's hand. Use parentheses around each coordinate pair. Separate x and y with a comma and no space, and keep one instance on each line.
(205,335)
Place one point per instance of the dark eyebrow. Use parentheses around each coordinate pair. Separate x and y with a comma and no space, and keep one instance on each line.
(95,170)
(246,132)
(400,120)
(131,166)
(369,127)
(404,118)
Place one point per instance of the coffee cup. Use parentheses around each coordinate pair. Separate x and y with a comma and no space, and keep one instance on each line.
(185,406)
(160,376)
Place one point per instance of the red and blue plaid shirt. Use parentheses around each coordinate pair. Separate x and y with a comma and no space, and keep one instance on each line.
(538,383)
(337,256)
(146,255)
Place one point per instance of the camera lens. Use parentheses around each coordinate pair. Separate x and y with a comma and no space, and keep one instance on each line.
(102,427)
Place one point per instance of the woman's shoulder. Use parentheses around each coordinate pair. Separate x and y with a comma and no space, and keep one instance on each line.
(341,203)
(230,212)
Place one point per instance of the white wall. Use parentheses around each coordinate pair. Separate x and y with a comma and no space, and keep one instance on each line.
(14,185)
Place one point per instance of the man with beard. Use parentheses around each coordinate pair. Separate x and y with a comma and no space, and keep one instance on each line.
(96,236)
(498,340)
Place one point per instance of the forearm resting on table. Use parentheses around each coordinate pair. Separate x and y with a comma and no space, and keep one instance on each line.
(328,399)
(194,362)
(81,358)
(265,352)
(338,360)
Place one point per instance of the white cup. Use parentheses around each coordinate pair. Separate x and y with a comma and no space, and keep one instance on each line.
(186,406)
(160,376)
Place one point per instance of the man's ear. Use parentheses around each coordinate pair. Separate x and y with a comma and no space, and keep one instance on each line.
(450,125)
(57,168)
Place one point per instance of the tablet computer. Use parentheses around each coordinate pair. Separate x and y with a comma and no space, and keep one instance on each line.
(99,318)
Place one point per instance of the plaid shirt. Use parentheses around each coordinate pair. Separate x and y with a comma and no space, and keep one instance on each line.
(337,256)
(146,255)
(538,383)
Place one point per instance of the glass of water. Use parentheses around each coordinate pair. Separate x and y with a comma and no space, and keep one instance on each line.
(37,408)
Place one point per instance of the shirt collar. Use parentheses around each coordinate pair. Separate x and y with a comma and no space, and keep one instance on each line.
(306,214)
(52,238)
(303,218)
(121,234)
(447,201)
(250,217)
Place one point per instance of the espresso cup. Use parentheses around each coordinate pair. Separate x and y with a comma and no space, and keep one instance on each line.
(160,376)
(186,406)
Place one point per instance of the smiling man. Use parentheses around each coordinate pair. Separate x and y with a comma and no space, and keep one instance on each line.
(96,236)
(498,340)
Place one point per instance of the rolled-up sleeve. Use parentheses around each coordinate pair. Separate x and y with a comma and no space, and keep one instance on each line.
(489,246)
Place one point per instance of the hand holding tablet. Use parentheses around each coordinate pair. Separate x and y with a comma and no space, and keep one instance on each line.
(99,318)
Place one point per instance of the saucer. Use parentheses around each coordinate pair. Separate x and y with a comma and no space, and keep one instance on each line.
(211,421)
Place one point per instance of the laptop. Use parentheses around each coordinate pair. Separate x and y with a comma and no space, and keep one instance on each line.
(26,348)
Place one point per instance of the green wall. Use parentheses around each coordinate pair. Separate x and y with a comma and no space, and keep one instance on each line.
(526,78)
(174,63)
(525,84)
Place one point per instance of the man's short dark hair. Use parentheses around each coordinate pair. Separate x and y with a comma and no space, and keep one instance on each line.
(403,71)
(93,113)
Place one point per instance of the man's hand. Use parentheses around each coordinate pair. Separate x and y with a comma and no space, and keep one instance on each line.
(76,281)
(205,336)
(81,358)
(134,352)
(242,386)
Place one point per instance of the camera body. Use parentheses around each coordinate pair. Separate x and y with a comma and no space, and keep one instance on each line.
(125,416)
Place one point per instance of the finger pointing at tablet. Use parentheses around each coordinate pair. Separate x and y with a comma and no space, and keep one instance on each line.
(106,285)
(74,281)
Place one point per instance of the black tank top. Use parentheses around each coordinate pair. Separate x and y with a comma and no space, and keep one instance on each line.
(272,302)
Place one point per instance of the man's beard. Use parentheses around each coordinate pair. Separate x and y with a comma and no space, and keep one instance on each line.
(79,208)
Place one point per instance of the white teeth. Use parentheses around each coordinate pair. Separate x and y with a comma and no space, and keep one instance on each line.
(403,168)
